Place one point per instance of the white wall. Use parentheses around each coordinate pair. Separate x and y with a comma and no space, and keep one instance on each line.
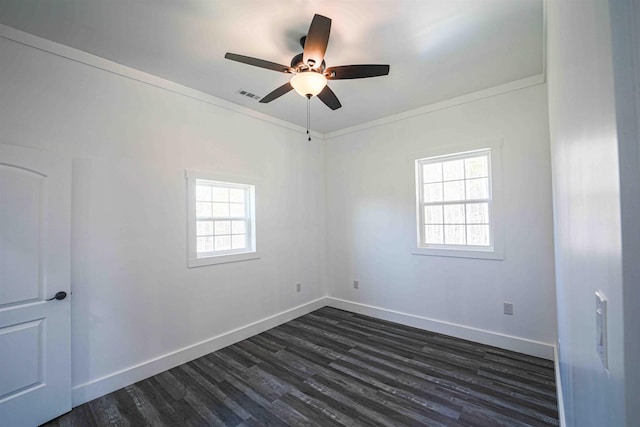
(134,299)
(371,228)
(593,96)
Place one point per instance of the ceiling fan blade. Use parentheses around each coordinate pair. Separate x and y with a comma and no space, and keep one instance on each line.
(329,98)
(258,62)
(285,88)
(316,42)
(356,71)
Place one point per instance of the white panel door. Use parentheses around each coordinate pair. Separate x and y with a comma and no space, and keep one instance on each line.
(35,334)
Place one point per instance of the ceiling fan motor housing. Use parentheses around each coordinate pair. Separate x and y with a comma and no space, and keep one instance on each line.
(298,65)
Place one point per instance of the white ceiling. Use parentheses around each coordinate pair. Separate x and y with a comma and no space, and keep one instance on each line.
(437,50)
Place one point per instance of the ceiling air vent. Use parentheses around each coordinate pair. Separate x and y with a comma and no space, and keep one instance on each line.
(248,94)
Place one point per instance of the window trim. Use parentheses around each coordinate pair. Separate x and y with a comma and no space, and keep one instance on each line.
(496,250)
(192,176)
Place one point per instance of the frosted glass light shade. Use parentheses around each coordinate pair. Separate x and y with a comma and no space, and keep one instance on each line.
(308,83)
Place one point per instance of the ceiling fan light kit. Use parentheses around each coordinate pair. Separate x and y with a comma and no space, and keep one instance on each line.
(308,83)
(309,70)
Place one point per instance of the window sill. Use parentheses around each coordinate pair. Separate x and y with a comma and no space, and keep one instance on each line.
(223,259)
(461,253)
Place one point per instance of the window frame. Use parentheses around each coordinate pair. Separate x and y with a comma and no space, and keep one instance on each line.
(220,257)
(495,250)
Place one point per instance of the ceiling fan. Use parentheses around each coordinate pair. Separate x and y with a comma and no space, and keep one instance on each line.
(309,70)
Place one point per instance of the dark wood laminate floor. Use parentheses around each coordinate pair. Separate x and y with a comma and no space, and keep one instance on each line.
(333,368)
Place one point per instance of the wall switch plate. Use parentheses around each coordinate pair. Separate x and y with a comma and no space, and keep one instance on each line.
(356,284)
(298,287)
(508,308)
(601,327)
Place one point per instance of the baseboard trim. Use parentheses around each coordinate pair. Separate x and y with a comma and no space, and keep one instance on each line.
(507,342)
(99,387)
(93,389)
(556,367)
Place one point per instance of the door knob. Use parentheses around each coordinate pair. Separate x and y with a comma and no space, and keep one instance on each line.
(59,296)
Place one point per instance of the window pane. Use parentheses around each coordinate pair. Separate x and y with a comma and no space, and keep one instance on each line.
(454,214)
(433,234)
(203,210)
(204,244)
(223,220)
(238,241)
(478,188)
(454,235)
(223,243)
(239,227)
(203,193)
(454,190)
(432,172)
(456,200)
(433,192)
(220,194)
(433,214)
(237,195)
(478,213)
(478,235)
(204,228)
(223,227)
(220,210)
(237,210)
(476,167)
(453,169)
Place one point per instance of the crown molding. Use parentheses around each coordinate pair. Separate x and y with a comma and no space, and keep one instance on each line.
(97,62)
(94,61)
(464,99)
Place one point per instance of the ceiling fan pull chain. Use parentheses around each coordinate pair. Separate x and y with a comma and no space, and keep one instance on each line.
(309,117)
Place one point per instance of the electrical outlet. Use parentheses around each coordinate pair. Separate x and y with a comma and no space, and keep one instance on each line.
(298,287)
(508,308)
(356,284)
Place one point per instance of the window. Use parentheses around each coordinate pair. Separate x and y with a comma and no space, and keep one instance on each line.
(221,219)
(456,210)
